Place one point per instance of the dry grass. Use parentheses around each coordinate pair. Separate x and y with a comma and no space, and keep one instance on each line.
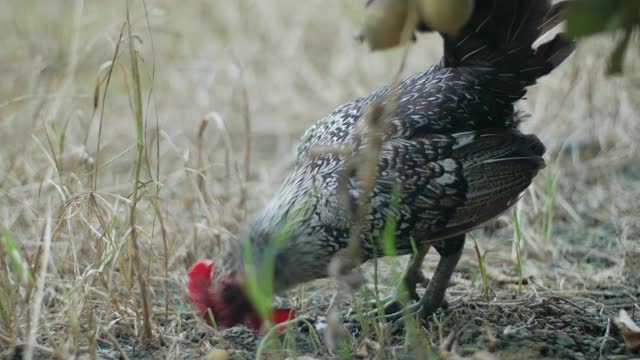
(114,180)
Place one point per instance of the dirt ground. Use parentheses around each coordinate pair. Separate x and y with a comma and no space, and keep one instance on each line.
(227,87)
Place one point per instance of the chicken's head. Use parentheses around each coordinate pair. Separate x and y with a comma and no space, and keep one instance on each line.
(226,299)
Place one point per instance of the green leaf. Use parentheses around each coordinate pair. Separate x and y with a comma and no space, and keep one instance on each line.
(589,17)
(18,264)
(388,239)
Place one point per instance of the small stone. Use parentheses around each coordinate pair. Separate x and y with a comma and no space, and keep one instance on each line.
(217,354)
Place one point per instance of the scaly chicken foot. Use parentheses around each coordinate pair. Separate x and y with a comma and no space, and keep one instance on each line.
(406,290)
(433,298)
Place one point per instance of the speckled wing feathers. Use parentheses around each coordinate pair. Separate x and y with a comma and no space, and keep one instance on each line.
(447,184)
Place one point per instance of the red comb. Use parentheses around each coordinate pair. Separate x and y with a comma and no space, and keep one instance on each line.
(200,285)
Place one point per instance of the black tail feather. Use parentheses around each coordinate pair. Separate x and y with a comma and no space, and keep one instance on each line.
(556,14)
(502,33)
(556,51)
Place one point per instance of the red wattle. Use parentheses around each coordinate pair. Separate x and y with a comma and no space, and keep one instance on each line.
(282,315)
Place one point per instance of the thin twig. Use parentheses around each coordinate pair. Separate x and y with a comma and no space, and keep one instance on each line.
(163,231)
(605,338)
(39,294)
(247,147)
(117,345)
(104,98)
(137,260)
(376,128)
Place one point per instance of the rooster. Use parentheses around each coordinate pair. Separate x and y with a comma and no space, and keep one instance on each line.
(450,159)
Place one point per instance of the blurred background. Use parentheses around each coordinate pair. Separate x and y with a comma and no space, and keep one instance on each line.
(228,87)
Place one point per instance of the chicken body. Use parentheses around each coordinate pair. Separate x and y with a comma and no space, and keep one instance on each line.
(451,157)
(450,166)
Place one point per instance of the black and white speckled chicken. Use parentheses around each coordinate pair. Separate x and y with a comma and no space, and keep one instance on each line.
(451,153)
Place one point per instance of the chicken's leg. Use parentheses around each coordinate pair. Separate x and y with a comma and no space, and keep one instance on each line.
(433,297)
(406,289)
